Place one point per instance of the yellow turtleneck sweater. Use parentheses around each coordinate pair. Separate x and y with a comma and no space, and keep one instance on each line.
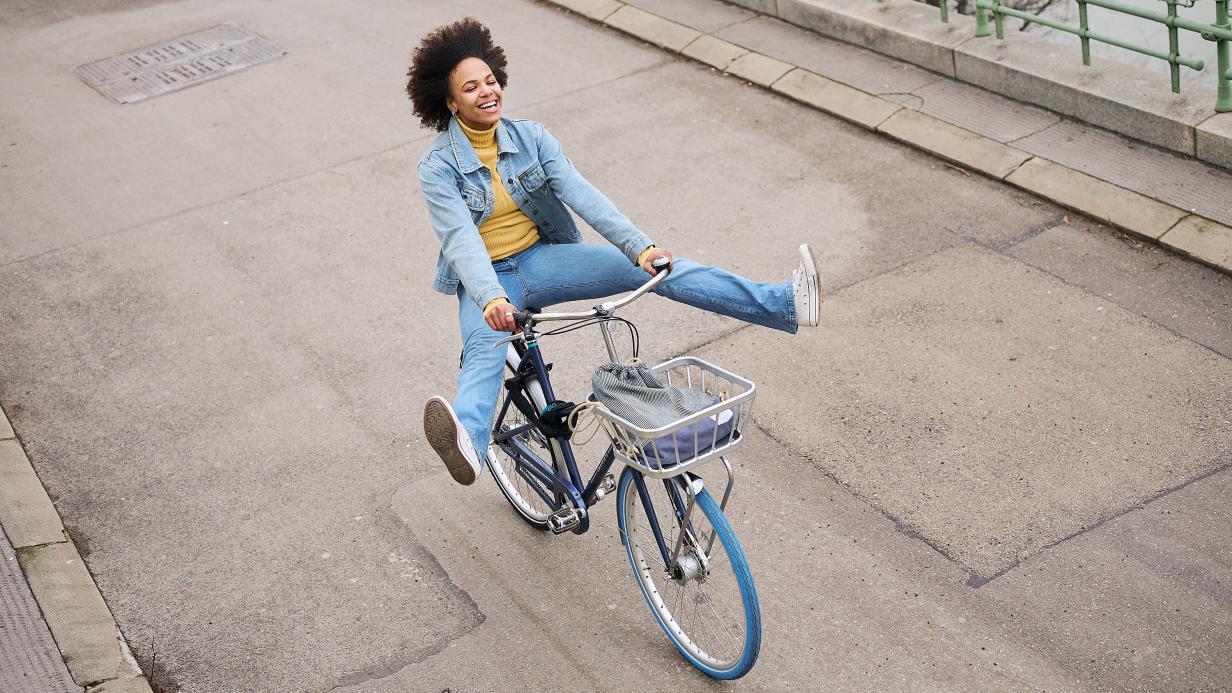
(508,230)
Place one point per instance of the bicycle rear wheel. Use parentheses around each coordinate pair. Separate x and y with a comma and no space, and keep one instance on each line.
(520,493)
(704,599)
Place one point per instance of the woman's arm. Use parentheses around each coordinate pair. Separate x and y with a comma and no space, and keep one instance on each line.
(460,241)
(585,199)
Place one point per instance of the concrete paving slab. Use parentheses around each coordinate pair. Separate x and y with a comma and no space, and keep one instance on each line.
(1214,140)
(1202,239)
(887,611)
(30,662)
(1192,185)
(842,62)
(1136,213)
(903,29)
(952,142)
(1169,562)
(993,416)
(707,16)
(597,10)
(6,429)
(79,619)
(759,69)
(836,99)
(134,684)
(1109,94)
(652,28)
(766,6)
(1185,297)
(713,51)
(25,512)
(980,111)
(137,163)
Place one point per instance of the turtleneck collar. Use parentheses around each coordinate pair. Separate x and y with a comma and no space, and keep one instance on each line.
(479,138)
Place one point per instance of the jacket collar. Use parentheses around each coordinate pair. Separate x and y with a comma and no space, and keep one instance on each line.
(464,153)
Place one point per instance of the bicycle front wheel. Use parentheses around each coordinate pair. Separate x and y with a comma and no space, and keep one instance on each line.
(702,594)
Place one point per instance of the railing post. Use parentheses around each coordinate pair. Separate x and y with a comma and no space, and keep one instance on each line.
(1223,103)
(981,19)
(1174,49)
(998,18)
(1082,32)
(945,11)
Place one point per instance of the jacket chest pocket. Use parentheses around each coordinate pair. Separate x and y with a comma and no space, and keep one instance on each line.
(474,198)
(533,178)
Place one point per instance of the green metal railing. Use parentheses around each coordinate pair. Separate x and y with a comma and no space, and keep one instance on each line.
(1220,32)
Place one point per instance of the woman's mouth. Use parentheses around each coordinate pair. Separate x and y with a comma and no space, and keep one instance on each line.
(489,107)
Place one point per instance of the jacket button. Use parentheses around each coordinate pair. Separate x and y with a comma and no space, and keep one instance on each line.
(511,180)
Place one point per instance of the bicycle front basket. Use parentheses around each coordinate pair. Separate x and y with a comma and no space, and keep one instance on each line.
(678,446)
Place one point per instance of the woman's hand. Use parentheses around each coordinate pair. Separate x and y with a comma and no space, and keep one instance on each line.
(655,254)
(499,315)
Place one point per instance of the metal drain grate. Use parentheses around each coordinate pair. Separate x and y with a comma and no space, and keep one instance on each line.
(179,63)
(30,662)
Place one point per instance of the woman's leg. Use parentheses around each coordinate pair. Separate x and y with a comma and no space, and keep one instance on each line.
(482,372)
(579,271)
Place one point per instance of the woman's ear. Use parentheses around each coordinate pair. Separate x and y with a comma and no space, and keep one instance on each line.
(452,106)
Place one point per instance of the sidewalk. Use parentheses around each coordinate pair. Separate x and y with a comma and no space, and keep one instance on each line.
(1179,202)
(56,633)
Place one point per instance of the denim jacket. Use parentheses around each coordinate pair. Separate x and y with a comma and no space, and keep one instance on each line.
(539,178)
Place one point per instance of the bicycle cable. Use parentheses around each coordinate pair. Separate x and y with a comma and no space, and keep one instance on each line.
(634,335)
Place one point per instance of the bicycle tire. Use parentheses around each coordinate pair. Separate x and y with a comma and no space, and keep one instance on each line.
(657,583)
(526,503)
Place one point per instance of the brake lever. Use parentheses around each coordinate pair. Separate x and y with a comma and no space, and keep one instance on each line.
(511,338)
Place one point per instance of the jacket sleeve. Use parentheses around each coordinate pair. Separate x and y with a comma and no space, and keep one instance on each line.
(585,199)
(460,241)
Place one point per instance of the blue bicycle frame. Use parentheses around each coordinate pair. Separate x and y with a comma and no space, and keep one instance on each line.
(557,491)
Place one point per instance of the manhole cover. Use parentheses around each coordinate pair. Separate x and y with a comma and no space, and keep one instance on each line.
(181,62)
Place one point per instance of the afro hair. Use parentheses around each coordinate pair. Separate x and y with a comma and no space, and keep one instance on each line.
(434,60)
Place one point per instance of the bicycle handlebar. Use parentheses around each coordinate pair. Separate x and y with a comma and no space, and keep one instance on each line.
(663,267)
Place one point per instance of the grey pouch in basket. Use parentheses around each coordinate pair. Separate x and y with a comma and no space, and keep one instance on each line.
(638,395)
(691,441)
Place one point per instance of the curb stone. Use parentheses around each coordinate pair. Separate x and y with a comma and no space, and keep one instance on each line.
(80,622)
(835,98)
(1202,239)
(714,51)
(759,69)
(652,28)
(954,143)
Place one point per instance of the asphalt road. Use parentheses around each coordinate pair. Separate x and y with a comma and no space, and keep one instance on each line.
(1001,462)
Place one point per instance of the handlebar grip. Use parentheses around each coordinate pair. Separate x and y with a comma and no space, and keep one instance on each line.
(521,316)
(660,264)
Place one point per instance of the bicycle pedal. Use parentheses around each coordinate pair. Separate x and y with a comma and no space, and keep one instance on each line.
(564,520)
(605,487)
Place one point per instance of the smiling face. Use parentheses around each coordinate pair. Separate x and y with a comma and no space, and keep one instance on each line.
(474,94)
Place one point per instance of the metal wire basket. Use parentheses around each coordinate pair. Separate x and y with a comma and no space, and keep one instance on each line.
(685,443)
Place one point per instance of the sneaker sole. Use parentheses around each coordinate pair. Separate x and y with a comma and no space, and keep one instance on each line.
(809,257)
(442,433)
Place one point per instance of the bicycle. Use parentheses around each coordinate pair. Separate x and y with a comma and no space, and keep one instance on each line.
(701,593)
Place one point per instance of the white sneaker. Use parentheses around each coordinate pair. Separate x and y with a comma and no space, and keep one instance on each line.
(808,289)
(449,439)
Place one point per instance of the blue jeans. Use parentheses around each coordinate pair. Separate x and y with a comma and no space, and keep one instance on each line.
(546,274)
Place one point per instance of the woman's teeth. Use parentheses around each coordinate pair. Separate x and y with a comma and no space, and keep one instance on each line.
(487,106)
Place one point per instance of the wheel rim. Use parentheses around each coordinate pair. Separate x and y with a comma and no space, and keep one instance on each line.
(704,614)
(516,489)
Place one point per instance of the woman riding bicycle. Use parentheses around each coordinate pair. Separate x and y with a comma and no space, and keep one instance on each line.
(497,190)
